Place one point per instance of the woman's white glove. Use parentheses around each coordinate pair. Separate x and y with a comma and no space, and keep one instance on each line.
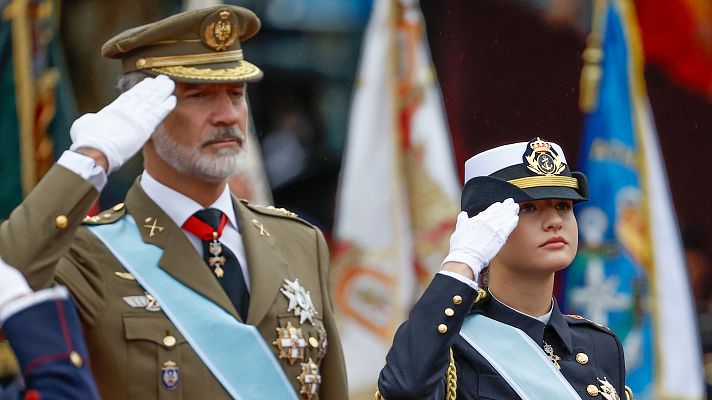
(477,240)
(12,284)
(120,129)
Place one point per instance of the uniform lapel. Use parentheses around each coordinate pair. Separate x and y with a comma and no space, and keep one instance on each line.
(264,261)
(179,257)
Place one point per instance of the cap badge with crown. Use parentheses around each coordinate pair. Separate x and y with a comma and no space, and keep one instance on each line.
(542,159)
(220,34)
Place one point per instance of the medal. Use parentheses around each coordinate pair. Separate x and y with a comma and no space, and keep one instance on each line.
(216,261)
(310,379)
(608,392)
(299,301)
(290,342)
(549,350)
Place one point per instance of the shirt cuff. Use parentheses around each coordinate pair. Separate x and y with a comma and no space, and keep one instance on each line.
(85,167)
(461,278)
(24,302)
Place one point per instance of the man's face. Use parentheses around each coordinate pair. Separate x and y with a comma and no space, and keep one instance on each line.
(205,135)
(545,239)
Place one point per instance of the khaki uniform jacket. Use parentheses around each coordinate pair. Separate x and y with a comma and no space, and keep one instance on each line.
(129,346)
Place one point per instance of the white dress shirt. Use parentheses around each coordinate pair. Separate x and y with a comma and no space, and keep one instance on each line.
(180,207)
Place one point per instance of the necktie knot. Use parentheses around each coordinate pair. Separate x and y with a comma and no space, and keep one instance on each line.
(211,216)
(206,224)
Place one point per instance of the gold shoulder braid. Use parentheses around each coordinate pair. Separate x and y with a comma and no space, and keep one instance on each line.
(628,393)
(450,378)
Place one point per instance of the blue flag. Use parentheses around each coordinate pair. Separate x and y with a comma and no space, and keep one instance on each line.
(630,253)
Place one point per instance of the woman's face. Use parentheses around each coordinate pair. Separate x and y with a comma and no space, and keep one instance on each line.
(545,239)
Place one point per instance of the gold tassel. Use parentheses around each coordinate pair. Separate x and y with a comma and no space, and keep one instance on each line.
(590,79)
(592,57)
(8,362)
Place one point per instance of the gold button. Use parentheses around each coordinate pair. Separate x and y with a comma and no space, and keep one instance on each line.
(140,63)
(169,341)
(118,207)
(313,342)
(61,222)
(442,328)
(592,390)
(76,359)
(449,312)
(582,358)
(457,299)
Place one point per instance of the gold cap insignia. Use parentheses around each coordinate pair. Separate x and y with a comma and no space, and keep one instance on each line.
(542,159)
(219,31)
(291,343)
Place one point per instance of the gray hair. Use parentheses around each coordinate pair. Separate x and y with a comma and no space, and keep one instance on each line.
(130,79)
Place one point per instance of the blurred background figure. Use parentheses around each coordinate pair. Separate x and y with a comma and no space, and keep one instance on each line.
(43,329)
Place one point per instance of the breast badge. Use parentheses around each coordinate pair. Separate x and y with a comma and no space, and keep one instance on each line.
(310,380)
(147,302)
(608,392)
(290,342)
(169,375)
(299,301)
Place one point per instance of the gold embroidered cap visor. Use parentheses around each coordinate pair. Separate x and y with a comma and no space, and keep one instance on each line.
(524,171)
(199,46)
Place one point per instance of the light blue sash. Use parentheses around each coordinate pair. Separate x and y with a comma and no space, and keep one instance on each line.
(234,352)
(517,358)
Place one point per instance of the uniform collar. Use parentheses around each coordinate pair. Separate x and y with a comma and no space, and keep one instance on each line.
(534,328)
(180,207)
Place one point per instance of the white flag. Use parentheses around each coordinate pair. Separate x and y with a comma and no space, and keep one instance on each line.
(399,191)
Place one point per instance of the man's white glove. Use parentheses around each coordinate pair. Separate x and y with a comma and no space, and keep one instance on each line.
(120,129)
(12,284)
(477,240)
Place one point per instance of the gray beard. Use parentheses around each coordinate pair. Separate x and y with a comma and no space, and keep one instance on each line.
(213,167)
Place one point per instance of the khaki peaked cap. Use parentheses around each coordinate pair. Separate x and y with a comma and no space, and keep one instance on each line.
(199,46)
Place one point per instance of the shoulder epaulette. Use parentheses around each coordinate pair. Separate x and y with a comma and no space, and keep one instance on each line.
(270,210)
(109,216)
(575,318)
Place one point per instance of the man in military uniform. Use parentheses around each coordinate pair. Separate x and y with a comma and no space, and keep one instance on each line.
(183,291)
(509,341)
(44,331)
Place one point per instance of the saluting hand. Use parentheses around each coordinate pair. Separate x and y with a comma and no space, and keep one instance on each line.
(120,129)
(477,240)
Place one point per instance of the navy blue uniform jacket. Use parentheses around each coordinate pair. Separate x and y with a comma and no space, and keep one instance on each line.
(48,342)
(417,362)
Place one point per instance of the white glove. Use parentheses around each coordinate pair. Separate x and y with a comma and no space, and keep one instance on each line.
(120,129)
(477,240)
(12,284)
